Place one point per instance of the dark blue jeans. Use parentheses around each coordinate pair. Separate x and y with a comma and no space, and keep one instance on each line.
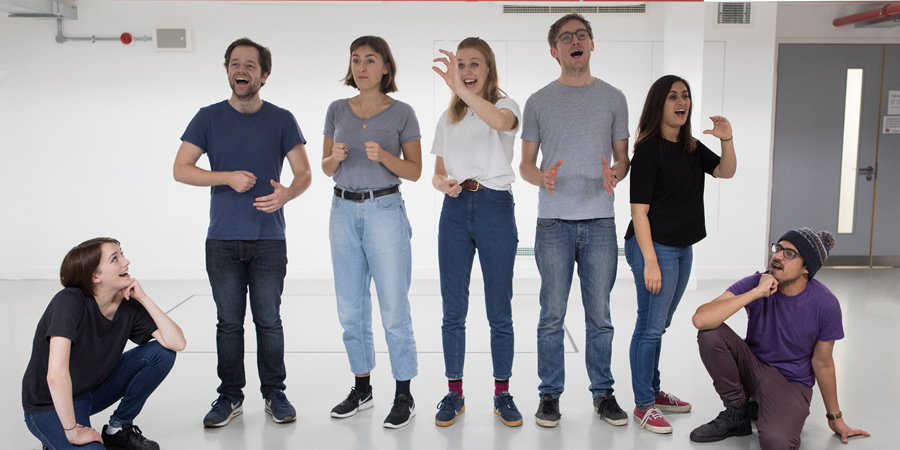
(654,314)
(135,377)
(483,220)
(233,267)
(558,245)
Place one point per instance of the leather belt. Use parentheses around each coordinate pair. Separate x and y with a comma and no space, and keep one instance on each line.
(360,196)
(471,185)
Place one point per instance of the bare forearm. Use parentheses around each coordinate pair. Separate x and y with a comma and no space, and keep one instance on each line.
(620,168)
(170,334)
(710,315)
(728,163)
(532,174)
(195,176)
(827,381)
(302,181)
(60,384)
(488,112)
(643,235)
(330,165)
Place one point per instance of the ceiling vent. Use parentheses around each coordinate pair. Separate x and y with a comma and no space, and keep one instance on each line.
(734,14)
(538,9)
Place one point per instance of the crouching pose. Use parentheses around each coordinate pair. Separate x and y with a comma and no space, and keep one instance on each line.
(792,323)
(77,367)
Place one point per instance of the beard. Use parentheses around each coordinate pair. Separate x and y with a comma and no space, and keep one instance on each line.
(252,89)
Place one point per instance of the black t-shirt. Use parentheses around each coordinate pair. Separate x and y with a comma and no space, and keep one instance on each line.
(97,344)
(671,181)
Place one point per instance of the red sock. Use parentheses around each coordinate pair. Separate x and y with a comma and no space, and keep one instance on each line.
(456,386)
(500,386)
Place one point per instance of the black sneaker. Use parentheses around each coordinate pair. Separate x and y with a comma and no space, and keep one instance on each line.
(223,410)
(129,437)
(548,414)
(731,422)
(356,401)
(608,409)
(403,410)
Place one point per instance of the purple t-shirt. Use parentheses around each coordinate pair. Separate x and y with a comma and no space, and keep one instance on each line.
(782,331)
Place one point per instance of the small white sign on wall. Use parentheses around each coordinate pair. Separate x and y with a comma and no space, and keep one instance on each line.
(891,125)
(893,102)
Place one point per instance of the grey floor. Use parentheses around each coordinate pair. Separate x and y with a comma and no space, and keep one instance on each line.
(319,377)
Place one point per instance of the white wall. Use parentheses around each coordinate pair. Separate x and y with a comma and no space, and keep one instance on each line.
(88,132)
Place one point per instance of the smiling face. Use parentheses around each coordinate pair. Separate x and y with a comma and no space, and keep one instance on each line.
(367,67)
(245,75)
(576,54)
(473,69)
(784,270)
(112,272)
(677,107)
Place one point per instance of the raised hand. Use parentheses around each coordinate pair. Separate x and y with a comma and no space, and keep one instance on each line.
(339,151)
(609,177)
(241,180)
(550,176)
(768,285)
(374,152)
(133,290)
(452,76)
(721,128)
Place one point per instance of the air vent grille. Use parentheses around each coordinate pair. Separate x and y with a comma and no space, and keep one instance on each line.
(734,13)
(536,9)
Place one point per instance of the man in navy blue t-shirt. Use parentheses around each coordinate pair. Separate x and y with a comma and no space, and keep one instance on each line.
(246,141)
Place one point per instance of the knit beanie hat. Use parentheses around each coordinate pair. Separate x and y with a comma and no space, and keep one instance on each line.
(812,246)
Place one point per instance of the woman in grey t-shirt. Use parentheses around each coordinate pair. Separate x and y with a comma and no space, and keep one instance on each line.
(372,142)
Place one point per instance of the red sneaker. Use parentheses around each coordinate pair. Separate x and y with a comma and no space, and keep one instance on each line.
(669,402)
(652,420)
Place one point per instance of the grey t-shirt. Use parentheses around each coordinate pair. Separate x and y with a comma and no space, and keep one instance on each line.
(390,128)
(577,126)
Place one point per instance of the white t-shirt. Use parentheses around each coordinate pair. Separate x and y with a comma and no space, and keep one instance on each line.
(473,150)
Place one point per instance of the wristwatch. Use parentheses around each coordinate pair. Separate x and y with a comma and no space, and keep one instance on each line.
(831,416)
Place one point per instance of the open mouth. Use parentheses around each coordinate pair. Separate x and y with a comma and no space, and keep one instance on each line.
(123,275)
(681,113)
(775,266)
(470,83)
(576,53)
(242,81)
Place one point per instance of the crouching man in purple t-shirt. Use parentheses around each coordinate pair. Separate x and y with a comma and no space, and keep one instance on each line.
(792,323)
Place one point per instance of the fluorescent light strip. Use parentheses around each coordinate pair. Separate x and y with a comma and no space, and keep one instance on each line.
(850,156)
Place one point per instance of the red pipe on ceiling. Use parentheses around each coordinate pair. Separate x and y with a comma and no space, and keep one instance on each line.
(886,11)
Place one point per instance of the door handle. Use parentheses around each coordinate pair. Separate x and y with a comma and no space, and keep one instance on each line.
(869,172)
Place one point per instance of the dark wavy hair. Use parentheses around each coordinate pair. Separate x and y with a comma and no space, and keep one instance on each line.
(650,124)
(81,263)
(554,29)
(265,56)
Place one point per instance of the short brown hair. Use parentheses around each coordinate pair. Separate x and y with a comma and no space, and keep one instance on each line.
(554,29)
(81,263)
(265,56)
(381,47)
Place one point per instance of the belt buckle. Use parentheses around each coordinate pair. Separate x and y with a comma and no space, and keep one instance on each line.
(477,185)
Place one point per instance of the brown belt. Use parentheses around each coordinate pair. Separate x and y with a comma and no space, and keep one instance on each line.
(471,185)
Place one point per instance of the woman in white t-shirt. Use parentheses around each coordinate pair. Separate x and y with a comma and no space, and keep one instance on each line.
(473,144)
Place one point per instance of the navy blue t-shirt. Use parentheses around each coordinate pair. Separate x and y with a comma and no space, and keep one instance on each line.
(257,143)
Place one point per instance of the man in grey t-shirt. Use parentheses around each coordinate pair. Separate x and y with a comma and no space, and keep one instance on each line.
(578,122)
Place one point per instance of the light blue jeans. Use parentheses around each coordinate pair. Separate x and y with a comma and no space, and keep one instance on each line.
(559,244)
(654,313)
(370,239)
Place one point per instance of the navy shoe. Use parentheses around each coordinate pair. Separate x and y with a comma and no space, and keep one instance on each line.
(450,407)
(506,409)
(278,406)
(223,410)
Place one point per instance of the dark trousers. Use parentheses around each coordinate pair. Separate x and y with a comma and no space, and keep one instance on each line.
(737,374)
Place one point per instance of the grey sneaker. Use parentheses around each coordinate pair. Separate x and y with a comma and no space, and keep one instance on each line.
(547,414)
(608,409)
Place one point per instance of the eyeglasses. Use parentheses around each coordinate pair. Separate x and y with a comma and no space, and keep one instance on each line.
(581,34)
(788,253)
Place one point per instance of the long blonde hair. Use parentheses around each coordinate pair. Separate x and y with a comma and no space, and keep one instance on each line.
(491,91)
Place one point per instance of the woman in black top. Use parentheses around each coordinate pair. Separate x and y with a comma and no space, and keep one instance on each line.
(667,177)
(77,367)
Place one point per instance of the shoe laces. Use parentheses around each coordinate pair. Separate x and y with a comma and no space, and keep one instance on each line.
(134,429)
(671,398)
(277,397)
(549,406)
(447,401)
(650,414)
(505,400)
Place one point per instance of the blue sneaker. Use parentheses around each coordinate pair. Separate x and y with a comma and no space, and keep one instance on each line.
(225,408)
(278,406)
(450,407)
(505,407)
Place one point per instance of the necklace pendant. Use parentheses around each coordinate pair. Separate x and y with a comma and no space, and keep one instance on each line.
(365,125)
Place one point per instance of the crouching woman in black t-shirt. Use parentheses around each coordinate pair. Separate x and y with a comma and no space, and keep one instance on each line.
(77,367)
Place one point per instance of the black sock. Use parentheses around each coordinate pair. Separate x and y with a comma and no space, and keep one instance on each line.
(402,388)
(363,384)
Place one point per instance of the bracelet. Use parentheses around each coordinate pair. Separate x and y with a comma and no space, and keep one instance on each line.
(70,429)
(831,416)
(726,140)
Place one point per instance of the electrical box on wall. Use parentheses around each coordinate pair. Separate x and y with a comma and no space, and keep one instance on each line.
(172,39)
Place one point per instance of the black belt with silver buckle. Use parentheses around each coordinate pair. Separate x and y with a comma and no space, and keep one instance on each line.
(360,196)
(471,185)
